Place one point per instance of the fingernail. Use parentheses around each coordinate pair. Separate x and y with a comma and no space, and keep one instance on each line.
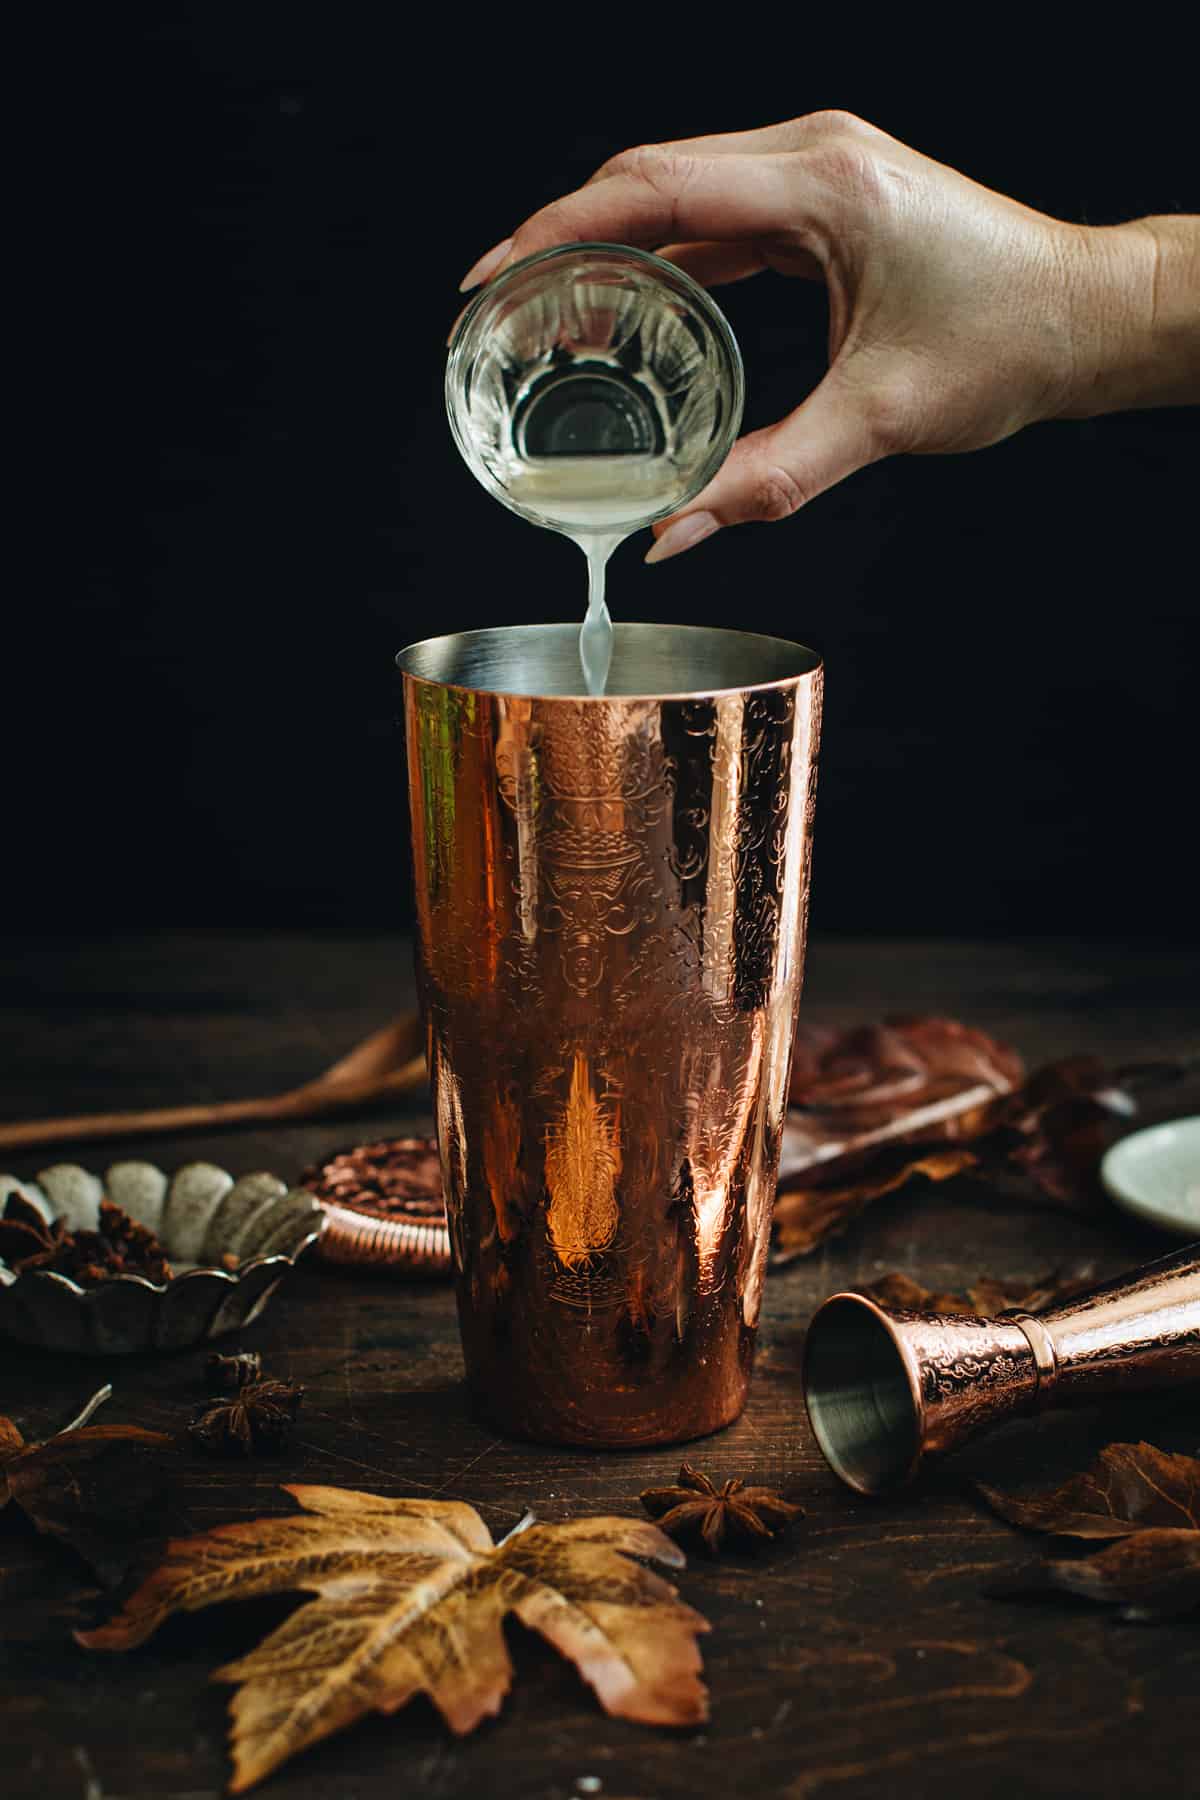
(682,535)
(485,267)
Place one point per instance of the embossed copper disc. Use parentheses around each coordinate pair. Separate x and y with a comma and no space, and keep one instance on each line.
(384,1206)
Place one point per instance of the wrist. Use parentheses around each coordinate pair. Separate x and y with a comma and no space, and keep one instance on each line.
(1133,298)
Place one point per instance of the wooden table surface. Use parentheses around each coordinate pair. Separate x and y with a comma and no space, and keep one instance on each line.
(859,1657)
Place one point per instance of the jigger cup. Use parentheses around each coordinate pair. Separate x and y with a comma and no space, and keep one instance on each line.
(887,1389)
(611,902)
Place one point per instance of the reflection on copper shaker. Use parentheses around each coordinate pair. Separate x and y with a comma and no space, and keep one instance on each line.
(888,1390)
(611,899)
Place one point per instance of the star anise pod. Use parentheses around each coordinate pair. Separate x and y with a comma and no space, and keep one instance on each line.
(699,1510)
(258,1416)
(26,1241)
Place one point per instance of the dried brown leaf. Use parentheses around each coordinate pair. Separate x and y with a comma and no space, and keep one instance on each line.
(872,1075)
(411,1596)
(99,1488)
(861,1099)
(1151,1575)
(1148,1501)
(1128,1488)
(805,1216)
(908,1295)
(878,1105)
(987,1298)
(1052,1133)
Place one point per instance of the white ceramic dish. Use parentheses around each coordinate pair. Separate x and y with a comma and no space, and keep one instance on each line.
(1155,1174)
(199,1214)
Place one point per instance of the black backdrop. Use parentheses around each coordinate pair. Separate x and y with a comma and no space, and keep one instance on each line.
(258,229)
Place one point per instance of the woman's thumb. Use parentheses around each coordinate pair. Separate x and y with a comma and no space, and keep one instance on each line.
(771,474)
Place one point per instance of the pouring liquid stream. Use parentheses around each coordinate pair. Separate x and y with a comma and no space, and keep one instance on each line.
(597,501)
(596,632)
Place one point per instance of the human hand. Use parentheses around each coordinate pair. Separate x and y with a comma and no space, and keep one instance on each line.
(956,315)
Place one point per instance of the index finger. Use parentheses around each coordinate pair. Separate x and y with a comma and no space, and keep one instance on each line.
(656,197)
(791,134)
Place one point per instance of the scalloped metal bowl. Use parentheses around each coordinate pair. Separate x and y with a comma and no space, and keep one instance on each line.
(199,1214)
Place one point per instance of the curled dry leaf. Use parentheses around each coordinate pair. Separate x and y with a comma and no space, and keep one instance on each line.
(988,1297)
(1045,1143)
(1152,1575)
(874,1077)
(102,1489)
(874,1107)
(1128,1488)
(1146,1499)
(806,1216)
(862,1099)
(411,1596)
(695,1508)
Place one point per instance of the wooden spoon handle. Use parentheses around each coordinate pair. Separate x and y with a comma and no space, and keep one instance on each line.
(312,1102)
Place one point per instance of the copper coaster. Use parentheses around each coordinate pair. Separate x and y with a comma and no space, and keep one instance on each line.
(384,1207)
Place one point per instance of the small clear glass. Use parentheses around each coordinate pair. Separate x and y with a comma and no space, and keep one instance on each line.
(594,388)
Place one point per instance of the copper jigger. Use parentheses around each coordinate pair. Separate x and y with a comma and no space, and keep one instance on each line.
(611,903)
(887,1390)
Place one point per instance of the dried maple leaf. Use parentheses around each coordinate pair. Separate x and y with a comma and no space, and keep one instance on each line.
(1128,1488)
(875,1076)
(1051,1134)
(806,1215)
(411,1598)
(1152,1575)
(876,1106)
(861,1099)
(256,1416)
(100,1488)
(988,1297)
(697,1509)
(1148,1500)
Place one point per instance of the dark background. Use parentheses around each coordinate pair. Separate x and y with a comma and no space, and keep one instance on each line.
(255,232)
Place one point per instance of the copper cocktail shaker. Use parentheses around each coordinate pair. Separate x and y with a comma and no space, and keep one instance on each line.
(887,1390)
(611,901)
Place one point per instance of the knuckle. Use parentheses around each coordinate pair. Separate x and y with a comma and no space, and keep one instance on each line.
(659,167)
(635,161)
(663,175)
(776,492)
(851,168)
(890,412)
(835,121)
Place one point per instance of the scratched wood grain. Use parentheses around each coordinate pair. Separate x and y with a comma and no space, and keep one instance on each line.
(860,1657)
